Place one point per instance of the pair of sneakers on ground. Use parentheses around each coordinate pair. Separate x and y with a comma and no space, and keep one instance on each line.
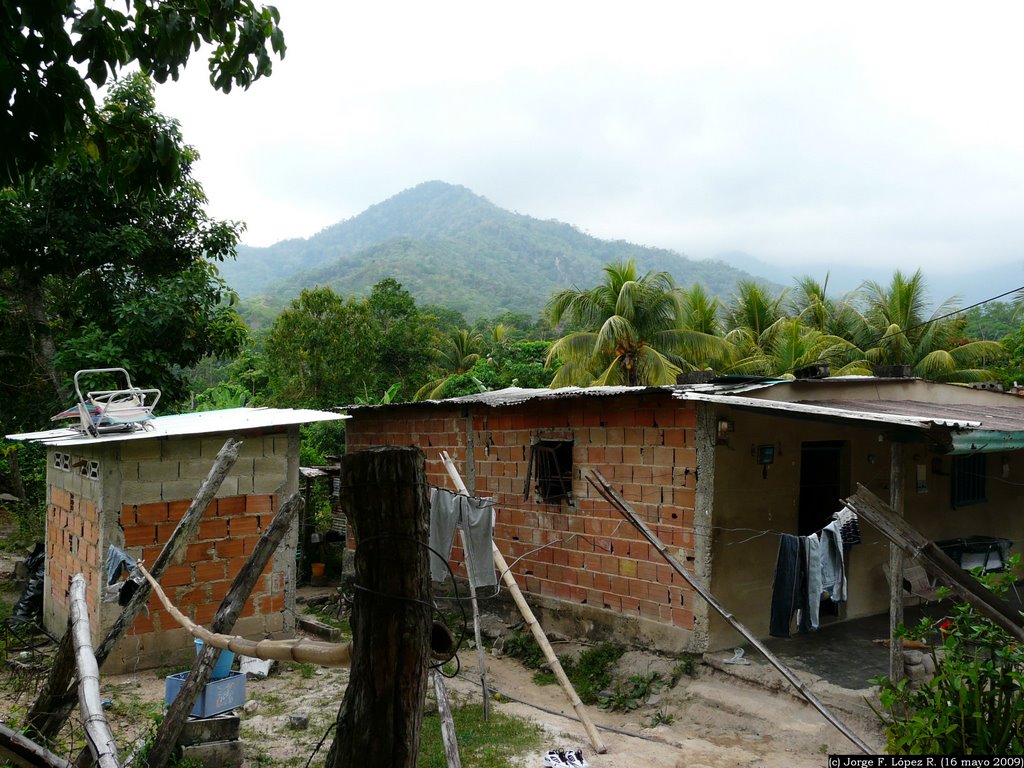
(559,758)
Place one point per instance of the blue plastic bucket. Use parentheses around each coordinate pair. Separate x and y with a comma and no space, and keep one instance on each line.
(223,666)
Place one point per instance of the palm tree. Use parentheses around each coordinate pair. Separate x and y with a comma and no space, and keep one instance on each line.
(934,346)
(458,356)
(752,317)
(630,332)
(702,312)
(791,345)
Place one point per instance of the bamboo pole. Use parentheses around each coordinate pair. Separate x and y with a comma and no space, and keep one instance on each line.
(97,731)
(534,625)
(444,711)
(604,488)
(227,614)
(57,697)
(22,752)
(481,657)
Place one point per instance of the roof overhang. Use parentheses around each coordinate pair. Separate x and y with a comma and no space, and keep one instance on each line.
(199,423)
(819,412)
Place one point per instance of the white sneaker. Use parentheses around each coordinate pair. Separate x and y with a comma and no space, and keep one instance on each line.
(555,759)
(574,758)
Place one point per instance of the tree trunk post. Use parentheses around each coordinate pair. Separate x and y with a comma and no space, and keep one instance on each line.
(896,671)
(384,494)
(167,734)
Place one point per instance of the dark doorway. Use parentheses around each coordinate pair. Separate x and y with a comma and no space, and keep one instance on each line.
(823,482)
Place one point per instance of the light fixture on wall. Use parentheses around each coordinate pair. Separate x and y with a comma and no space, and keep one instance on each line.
(725,426)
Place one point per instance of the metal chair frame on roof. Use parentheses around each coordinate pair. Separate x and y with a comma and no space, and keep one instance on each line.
(111,410)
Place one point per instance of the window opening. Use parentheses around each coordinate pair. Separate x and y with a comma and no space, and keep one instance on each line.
(551,464)
(968,486)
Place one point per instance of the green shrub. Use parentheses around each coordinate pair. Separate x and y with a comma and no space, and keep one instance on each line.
(973,705)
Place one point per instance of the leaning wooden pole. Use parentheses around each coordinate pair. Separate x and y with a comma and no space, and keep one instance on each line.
(21,751)
(612,497)
(384,494)
(444,711)
(929,555)
(97,731)
(169,732)
(535,628)
(58,695)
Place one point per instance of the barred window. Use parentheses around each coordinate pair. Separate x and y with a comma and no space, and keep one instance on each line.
(968,485)
(550,470)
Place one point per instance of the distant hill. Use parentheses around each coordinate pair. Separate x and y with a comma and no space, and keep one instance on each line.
(449,246)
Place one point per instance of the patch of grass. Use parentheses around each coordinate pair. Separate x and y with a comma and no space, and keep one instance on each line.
(483,745)
(662,717)
(590,673)
(628,696)
(686,667)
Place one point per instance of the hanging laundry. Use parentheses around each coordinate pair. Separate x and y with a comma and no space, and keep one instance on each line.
(477,521)
(444,519)
(810,595)
(449,511)
(833,574)
(118,561)
(786,585)
(849,526)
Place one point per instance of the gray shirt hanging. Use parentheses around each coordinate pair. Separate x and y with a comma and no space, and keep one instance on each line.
(449,511)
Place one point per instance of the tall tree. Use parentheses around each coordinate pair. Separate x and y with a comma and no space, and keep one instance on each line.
(51,50)
(325,350)
(934,345)
(630,331)
(93,276)
(458,354)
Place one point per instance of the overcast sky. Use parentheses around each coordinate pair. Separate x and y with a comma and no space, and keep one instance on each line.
(889,134)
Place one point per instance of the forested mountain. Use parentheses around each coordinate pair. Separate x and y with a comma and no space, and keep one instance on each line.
(448,246)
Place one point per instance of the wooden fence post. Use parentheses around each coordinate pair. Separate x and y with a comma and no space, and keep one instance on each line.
(384,494)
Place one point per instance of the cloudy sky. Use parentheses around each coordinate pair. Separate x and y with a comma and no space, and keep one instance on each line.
(886,134)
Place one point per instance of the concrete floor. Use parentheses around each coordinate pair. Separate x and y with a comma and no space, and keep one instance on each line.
(843,653)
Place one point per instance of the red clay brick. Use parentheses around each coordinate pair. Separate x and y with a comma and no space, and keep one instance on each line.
(240,526)
(142,625)
(176,576)
(218,590)
(198,552)
(139,535)
(249,543)
(228,548)
(151,513)
(235,566)
(205,613)
(177,509)
(213,529)
(127,514)
(257,504)
(231,505)
(209,571)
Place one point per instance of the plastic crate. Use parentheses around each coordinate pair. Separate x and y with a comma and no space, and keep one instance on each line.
(216,697)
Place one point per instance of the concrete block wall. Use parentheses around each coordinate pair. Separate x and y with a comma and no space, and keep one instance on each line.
(142,490)
(643,444)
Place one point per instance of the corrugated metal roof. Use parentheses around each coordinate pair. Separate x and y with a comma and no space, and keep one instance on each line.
(200,423)
(876,411)
(517,395)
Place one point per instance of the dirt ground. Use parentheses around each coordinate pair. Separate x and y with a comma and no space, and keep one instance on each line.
(723,716)
(718,720)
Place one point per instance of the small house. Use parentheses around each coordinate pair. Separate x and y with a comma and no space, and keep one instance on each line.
(129,490)
(719,471)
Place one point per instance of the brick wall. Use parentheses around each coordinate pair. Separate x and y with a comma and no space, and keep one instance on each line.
(643,444)
(138,492)
(227,534)
(72,546)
